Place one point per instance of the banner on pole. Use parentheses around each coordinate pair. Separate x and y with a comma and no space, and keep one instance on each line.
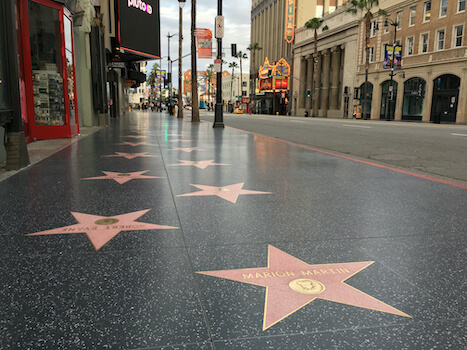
(204,39)
(388,57)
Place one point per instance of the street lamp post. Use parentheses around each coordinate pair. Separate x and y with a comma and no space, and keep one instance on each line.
(181,3)
(218,114)
(169,73)
(388,22)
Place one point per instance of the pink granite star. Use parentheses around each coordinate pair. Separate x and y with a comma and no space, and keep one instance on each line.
(121,178)
(134,144)
(187,149)
(101,229)
(137,137)
(129,155)
(202,164)
(179,140)
(229,193)
(291,284)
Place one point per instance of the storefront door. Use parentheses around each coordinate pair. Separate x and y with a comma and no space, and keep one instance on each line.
(48,63)
(445,98)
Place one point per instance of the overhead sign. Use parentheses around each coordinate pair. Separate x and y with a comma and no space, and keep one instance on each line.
(219,27)
(289,20)
(204,39)
(138,27)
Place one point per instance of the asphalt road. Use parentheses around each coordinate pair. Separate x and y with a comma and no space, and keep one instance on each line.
(437,150)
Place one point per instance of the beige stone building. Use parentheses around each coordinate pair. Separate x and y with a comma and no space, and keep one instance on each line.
(326,79)
(432,82)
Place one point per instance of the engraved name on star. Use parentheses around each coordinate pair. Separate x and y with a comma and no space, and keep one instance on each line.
(122,178)
(229,193)
(291,284)
(129,155)
(201,164)
(101,229)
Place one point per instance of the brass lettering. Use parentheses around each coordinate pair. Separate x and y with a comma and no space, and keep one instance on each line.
(247,276)
(258,275)
(323,271)
(266,274)
(289,273)
(316,272)
(331,270)
(280,274)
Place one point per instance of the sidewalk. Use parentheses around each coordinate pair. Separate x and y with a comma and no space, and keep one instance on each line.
(159,233)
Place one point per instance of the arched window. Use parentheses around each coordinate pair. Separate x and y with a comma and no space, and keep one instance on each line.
(369,98)
(414,98)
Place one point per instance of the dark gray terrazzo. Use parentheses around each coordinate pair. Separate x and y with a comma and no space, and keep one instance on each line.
(141,290)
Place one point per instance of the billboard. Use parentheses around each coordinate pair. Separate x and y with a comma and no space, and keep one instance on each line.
(388,57)
(139,27)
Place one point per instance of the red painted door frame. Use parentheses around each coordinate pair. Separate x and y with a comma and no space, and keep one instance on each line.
(43,132)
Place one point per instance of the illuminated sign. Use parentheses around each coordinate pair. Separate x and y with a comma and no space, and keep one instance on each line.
(289,20)
(139,27)
(140,5)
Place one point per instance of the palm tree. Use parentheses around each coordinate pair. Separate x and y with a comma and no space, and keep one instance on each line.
(365,6)
(315,23)
(194,74)
(208,80)
(241,55)
(151,81)
(253,48)
(232,65)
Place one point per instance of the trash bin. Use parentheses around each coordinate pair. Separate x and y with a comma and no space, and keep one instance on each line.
(306,114)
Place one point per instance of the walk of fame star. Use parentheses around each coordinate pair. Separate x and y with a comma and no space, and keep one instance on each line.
(291,284)
(186,149)
(202,164)
(129,155)
(121,178)
(101,229)
(136,136)
(229,193)
(134,144)
(179,140)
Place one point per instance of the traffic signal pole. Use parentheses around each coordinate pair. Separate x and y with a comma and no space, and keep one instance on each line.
(219,111)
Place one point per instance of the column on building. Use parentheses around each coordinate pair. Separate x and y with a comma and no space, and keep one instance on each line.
(326,81)
(376,100)
(336,67)
(428,98)
(316,84)
(461,116)
(309,79)
(399,99)
(301,89)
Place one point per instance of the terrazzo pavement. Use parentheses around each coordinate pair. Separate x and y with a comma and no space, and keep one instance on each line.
(142,289)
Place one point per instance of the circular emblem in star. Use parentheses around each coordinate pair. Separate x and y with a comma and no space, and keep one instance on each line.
(306,286)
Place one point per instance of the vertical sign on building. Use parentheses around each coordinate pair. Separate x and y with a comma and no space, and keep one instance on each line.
(289,20)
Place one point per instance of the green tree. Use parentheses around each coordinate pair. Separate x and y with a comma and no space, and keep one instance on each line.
(194,73)
(253,48)
(315,23)
(364,7)
(208,80)
(240,56)
(232,65)
(151,81)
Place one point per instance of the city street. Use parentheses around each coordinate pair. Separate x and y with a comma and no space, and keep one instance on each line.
(428,149)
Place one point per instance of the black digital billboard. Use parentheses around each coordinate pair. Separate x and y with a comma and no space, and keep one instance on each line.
(139,27)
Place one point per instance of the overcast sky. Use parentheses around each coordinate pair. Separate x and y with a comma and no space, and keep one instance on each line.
(237,30)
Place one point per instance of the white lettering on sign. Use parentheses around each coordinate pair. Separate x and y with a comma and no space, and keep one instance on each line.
(139,4)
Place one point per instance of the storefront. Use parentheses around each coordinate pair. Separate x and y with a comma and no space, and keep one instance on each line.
(47,70)
(414,99)
(272,95)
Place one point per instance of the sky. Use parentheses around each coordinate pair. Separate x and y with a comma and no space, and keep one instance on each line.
(237,14)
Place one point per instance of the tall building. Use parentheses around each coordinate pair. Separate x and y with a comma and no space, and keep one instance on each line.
(432,76)
(273,28)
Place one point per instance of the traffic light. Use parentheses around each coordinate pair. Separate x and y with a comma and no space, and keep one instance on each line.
(233,48)
(308,93)
(166,84)
(270,73)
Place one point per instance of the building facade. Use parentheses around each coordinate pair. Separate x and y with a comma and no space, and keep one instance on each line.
(433,75)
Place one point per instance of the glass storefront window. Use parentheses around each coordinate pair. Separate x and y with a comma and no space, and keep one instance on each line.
(47,76)
(70,67)
(388,105)
(4,91)
(414,98)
